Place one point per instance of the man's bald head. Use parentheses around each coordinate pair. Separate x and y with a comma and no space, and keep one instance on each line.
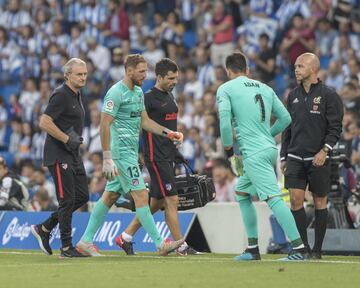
(312,60)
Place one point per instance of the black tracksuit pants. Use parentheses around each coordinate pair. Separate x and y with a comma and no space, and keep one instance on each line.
(72,193)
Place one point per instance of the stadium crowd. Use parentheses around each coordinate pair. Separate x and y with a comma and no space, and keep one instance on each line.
(38,37)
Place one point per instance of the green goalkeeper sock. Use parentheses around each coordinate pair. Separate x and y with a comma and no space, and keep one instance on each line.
(147,221)
(285,219)
(249,218)
(97,217)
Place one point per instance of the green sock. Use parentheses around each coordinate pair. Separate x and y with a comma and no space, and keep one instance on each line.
(147,221)
(97,217)
(249,218)
(285,218)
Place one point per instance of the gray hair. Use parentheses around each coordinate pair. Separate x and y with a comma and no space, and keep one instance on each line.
(67,68)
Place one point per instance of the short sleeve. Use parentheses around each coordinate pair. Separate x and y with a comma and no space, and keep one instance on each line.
(112,102)
(56,105)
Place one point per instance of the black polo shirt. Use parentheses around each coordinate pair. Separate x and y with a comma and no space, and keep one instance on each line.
(66,109)
(161,108)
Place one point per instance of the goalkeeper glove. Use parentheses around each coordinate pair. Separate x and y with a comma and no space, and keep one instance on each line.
(74,140)
(174,136)
(109,168)
(235,161)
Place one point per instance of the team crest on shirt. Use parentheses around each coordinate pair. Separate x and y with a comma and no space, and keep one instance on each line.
(64,166)
(109,106)
(135,182)
(168,186)
(317,100)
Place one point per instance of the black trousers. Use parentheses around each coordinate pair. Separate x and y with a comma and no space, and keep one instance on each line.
(72,193)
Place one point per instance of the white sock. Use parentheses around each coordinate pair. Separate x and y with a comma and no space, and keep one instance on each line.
(183,247)
(299,247)
(126,237)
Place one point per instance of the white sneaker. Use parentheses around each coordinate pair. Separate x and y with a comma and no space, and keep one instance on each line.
(168,246)
(88,248)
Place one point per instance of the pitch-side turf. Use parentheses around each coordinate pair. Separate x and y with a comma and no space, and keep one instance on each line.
(32,269)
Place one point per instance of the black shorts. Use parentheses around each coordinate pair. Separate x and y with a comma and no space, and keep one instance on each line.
(162,181)
(301,173)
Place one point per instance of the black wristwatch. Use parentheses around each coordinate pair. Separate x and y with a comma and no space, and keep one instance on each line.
(326,149)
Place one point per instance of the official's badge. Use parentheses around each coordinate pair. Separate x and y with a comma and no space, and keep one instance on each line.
(64,166)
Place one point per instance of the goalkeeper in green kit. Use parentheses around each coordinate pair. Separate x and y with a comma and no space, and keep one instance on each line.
(123,115)
(246,105)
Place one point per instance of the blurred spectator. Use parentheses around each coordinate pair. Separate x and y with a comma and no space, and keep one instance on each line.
(298,40)
(15,136)
(224,181)
(193,89)
(14,195)
(222,30)
(91,134)
(28,99)
(289,8)
(117,25)
(99,55)
(3,120)
(117,70)
(335,77)
(152,55)
(205,70)
(42,201)
(138,33)
(325,36)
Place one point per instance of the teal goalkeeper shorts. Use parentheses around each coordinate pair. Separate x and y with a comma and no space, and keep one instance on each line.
(129,178)
(259,178)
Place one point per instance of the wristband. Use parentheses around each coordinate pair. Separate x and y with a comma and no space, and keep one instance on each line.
(165,132)
(107,154)
(229,152)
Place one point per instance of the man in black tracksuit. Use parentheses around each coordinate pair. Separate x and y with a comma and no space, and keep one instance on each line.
(160,154)
(317,113)
(63,120)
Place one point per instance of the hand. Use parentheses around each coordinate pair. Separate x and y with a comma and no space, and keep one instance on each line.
(320,158)
(176,137)
(109,170)
(74,140)
(236,165)
(283,167)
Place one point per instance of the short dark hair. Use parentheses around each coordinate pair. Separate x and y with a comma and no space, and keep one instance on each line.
(164,66)
(265,36)
(132,60)
(3,162)
(236,62)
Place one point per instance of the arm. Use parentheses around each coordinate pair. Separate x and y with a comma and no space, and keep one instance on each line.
(153,127)
(5,190)
(224,106)
(47,124)
(268,66)
(286,136)
(105,123)
(283,118)
(334,116)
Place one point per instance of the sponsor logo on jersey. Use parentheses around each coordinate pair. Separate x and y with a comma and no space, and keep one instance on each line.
(171,116)
(135,114)
(109,106)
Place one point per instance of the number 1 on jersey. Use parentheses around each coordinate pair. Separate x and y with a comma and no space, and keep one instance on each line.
(258,98)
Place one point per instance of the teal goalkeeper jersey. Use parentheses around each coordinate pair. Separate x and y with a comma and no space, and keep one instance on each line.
(247,105)
(125,106)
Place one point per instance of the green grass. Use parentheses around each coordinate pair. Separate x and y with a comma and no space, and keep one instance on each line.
(34,269)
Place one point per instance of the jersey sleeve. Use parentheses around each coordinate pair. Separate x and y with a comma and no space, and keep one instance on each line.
(112,102)
(224,107)
(143,107)
(56,106)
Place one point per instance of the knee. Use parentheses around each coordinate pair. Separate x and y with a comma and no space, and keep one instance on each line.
(141,198)
(273,201)
(240,197)
(296,203)
(171,202)
(109,198)
(67,203)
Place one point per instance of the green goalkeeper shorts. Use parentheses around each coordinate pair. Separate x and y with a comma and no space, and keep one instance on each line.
(259,178)
(129,178)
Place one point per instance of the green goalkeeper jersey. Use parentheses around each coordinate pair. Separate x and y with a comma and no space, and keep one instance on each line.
(246,105)
(125,106)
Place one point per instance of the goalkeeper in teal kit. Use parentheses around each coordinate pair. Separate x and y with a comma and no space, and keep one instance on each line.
(123,115)
(246,105)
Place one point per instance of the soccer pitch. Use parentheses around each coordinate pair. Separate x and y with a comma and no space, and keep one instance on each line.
(34,269)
